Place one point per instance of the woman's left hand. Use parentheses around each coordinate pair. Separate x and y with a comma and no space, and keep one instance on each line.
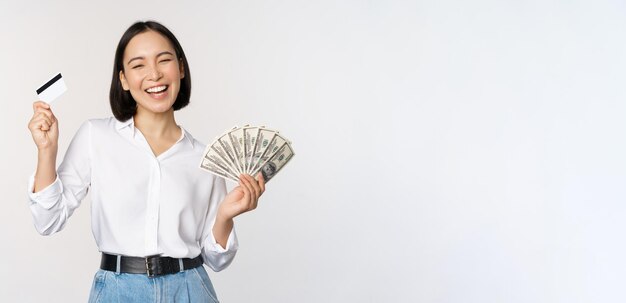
(242,198)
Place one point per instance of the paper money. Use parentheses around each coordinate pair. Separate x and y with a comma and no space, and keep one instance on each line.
(250,135)
(247,150)
(236,140)
(216,169)
(272,166)
(264,139)
(217,155)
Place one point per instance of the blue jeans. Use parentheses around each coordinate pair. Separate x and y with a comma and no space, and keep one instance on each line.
(192,285)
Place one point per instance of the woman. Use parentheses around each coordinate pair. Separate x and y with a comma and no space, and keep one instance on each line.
(156,217)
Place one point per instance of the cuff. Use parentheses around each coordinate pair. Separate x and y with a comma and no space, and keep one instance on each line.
(46,197)
(231,243)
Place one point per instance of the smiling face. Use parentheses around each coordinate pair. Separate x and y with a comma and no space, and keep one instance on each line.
(152,72)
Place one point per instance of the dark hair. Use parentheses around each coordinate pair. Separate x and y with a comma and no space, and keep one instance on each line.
(123,105)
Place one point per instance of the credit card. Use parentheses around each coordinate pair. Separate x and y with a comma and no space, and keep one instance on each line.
(52,89)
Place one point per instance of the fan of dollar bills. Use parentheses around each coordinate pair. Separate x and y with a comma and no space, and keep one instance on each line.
(247,150)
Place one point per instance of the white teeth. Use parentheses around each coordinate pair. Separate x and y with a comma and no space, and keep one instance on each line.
(156,89)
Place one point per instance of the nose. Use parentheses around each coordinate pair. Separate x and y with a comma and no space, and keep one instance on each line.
(154,73)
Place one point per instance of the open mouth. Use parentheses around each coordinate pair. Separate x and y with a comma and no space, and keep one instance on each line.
(157,89)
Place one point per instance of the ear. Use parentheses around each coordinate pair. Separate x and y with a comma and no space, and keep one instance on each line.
(182,68)
(123,80)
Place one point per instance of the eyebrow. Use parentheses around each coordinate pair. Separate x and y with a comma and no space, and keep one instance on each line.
(160,54)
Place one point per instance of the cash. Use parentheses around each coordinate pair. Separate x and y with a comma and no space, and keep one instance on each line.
(247,150)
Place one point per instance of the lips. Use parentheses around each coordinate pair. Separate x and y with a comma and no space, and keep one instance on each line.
(156,89)
(158,92)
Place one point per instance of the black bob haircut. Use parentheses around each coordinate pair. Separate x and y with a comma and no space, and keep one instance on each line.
(123,105)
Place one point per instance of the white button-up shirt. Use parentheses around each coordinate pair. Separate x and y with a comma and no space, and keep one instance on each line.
(142,205)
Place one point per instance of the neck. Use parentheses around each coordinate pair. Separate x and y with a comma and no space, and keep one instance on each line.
(156,124)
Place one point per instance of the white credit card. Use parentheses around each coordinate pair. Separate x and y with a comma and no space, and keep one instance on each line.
(52,89)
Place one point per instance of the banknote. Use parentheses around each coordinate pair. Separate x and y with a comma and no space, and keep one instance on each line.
(250,135)
(209,166)
(272,147)
(263,140)
(215,155)
(274,164)
(247,150)
(236,141)
(228,152)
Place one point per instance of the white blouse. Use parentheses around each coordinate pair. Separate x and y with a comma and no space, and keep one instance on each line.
(141,205)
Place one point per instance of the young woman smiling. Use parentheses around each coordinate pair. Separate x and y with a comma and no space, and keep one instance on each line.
(156,217)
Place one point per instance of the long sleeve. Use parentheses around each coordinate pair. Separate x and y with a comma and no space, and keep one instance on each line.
(141,204)
(216,256)
(52,206)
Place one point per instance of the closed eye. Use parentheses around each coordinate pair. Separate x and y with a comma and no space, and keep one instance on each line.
(137,66)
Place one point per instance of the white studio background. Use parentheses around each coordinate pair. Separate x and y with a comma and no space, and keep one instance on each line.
(447,151)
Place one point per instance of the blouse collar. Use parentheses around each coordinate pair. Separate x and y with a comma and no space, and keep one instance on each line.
(128,127)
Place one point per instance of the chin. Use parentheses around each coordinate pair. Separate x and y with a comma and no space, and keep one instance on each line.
(161,110)
(157,108)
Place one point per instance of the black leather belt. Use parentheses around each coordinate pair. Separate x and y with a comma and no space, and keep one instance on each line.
(152,265)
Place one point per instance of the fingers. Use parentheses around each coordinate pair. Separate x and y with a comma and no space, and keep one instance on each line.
(255,186)
(42,121)
(40,104)
(251,191)
(43,107)
(247,193)
(43,125)
(261,182)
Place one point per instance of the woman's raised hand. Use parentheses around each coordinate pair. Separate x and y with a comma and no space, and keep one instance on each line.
(43,126)
(242,198)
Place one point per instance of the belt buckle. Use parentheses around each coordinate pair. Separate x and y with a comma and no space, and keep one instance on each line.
(152,265)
